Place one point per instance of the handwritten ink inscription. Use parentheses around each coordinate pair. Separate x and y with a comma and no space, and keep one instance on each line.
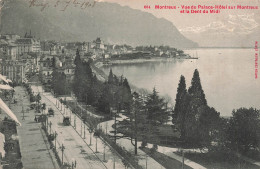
(62,5)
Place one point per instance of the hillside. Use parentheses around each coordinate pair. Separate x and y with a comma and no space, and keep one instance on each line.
(115,24)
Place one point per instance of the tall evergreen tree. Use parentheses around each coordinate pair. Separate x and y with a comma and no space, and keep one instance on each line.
(196,90)
(77,59)
(87,79)
(126,95)
(79,78)
(179,118)
(78,71)
(200,120)
(110,77)
(104,102)
(55,81)
(96,91)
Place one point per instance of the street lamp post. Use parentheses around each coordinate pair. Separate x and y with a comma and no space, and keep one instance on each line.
(106,127)
(146,161)
(84,130)
(81,122)
(62,152)
(104,156)
(23,113)
(55,137)
(46,124)
(70,117)
(182,159)
(50,127)
(117,112)
(96,144)
(114,164)
(75,121)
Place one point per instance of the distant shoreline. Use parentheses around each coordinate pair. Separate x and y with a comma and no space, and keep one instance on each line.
(101,75)
(99,64)
(218,48)
(129,61)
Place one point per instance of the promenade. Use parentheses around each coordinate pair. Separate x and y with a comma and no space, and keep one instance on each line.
(35,150)
(77,148)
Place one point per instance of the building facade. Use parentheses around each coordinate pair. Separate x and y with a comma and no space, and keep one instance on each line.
(14,71)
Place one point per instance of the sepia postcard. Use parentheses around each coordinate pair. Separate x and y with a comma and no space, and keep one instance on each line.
(129,84)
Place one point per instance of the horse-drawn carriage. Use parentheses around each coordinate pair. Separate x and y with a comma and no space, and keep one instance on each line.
(40,118)
(66,121)
(50,112)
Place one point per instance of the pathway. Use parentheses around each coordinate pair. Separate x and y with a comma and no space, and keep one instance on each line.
(34,146)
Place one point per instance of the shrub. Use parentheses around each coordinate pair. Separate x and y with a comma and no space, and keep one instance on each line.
(154,148)
(144,144)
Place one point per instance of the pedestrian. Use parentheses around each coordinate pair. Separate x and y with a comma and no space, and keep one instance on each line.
(72,165)
(75,163)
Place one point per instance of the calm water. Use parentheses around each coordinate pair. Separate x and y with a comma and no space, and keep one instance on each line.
(227,77)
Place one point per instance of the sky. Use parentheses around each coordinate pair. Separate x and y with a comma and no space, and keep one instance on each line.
(228,24)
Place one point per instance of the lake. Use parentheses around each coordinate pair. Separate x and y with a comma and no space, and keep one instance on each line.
(227,77)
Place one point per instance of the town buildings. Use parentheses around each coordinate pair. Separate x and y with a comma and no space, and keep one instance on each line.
(23,57)
(19,56)
(14,70)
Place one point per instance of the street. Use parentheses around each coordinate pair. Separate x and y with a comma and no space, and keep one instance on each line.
(76,147)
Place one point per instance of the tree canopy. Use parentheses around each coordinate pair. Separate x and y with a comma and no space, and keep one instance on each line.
(244,129)
(156,108)
(194,119)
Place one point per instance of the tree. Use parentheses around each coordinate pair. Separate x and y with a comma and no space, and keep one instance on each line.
(87,82)
(243,129)
(77,83)
(180,52)
(126,164)
(91,129)
(196,121)
(83,79)
(105,100)
(180,109)
(38,98)
(55,81)
(111,77)
(77,59)
(155,106)
(137,109)
(43,107)
(53,64)
(196,90)
(197,109)
(95,92)
(126,96)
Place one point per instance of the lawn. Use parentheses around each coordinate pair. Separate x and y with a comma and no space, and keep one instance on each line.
(219,160)
(164,160)
(163,135)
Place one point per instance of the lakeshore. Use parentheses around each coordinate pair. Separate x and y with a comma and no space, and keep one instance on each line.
(223,71)
(101,75)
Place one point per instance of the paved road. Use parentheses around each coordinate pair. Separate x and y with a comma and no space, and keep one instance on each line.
(33,143)
(77,148)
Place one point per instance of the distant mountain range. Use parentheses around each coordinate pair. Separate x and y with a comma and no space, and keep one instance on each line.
(240,30)
(115,24)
